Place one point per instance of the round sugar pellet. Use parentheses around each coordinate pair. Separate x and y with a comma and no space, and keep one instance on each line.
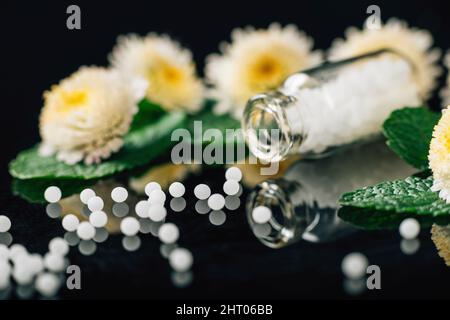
(15,250)
(70,222)
(54,262)
(52,194)
(181,259)
(157,196)
(58,246)
(231,187)
(202,191)
(22,274)
(151,186)
(98,219)
(86,194)
(354,265)
(119,194)
(217,218)
(177,189)
(233,173)
(95,204)
(261,214)
(85,231)
(216,201)
(168,233)
(5,223)
(54,210)
(157,212)
(36,263)
(142,208)
(129,226)
(4,252)
(409,228)
(47,284)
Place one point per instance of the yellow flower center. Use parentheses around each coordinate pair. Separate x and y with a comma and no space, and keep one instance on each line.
(72,100)
(266,72)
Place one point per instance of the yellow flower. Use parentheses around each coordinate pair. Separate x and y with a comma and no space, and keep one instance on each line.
(256,61)
(439,156)
(413,44)
(165,65)
(86,115)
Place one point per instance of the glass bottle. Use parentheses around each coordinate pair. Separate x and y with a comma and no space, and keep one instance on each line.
(304,203)
(319,110)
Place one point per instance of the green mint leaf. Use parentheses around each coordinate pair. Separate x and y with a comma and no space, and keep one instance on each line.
(408,132)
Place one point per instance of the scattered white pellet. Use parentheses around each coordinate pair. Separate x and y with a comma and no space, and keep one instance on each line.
(202,191)
(233,173)
(5,267)
(157,212)
(36,263)
(178,204)
(54,210)
(142,208)
(119,194)
(87,247)
(47,284)
(168,233)
(177,189)
(232,202)
(261,214)
(129,226)
(98,219)
(4,252)
(86,194)
(85,231)
(22,274)
(120,210)
(54,262)
(5,224)
(52,194)
(157,196)
(180,259)
(231,187)
(70,222)
(15,250)
(95,204)
(201,206)
(409,228)
(354,265)
(131,243)
(217,218)
(58,246)
(151,186)
(216,201)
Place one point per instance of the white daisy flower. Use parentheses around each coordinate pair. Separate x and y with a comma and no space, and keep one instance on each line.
(439,156)
(168,68)
(412,43)
(445,92)
(256,61)
(86,115)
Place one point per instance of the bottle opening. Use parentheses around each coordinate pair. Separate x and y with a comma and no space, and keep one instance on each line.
(266,127)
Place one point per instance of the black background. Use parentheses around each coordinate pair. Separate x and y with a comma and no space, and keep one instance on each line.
(37,50)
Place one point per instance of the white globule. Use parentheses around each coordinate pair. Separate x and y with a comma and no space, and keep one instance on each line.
(261,214)
(151,186)
(70,222)
(181,259)
(5,223)
(36,263)
(168,233)
(233,173)
(202,191)
(354,265)
(157,213)
(142,208)
(15,250)
(216,201)
(130,226)
(85,231)
(177,189)
(47,284)
(86,194)
(95,204)
(119,194)
(58,246)
(409,228)
(231,187)
(98,219)
(54,262)
(4,252)
(157,196)
(52,194)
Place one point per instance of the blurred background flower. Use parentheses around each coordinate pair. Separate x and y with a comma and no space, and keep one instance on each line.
(165,65)
(412,43)
(86,115)
(256,61)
